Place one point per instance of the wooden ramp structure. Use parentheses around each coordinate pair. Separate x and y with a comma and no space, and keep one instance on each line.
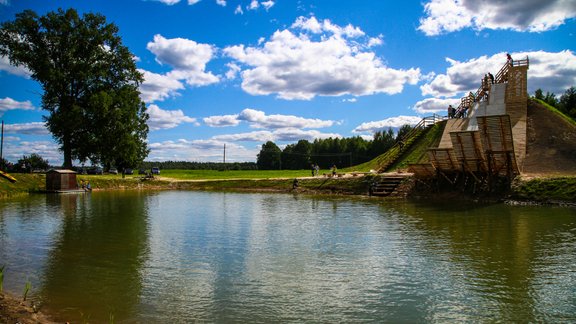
(498,141)
(485,144)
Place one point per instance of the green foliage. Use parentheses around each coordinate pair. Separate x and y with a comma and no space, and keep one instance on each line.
(549,98)
(32,162)
(2,278)
(547,190)
(297,156)
(27,289)
(557,112)
(269,157)
(567,103)
(90,83)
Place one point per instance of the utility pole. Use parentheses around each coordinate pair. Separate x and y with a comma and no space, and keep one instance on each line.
(224,153)
(2,141)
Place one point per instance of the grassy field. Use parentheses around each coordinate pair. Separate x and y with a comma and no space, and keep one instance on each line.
(234,174)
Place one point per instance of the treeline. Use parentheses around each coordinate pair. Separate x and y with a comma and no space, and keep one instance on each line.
(342,152)
(185,165)
(28,163)
(566,103)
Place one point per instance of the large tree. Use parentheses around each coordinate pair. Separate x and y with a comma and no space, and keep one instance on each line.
(269,157)
(90,84)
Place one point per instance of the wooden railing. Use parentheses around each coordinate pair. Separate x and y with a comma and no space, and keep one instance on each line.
(484,90)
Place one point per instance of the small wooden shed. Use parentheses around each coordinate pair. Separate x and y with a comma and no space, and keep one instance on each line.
(61,180)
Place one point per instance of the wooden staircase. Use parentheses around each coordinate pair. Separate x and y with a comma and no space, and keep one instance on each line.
(400,147)
(386,186)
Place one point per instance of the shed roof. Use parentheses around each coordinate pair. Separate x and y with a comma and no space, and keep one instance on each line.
(61,171)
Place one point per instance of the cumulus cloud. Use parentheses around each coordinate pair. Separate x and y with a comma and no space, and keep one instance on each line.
(14,150)
(238,10)
(393,122)
(157,87)
(34,128)
(267,4)
(222,121)
(444,16)
(165,119)
(434,105)
(259,119)
(171,2)
(221,3)
(187,57)
(15,70)
(233,70)
(199,150)
(278,135)
(322,60)
(11,104)
(554,72)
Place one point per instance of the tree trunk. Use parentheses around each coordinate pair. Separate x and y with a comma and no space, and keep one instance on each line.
(67,148)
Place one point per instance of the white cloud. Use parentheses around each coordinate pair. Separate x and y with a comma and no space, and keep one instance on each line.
(435,105)
(233,70)
(157,87)
(297,67)
(376,41)
(259,119)
(393,122)
(258,136)
(165,119)
(238,10)
(200,150)
(221,3)
(222,121)
(15,70)
(279,135)
(11,104)
(444,16)
(267,4)
(168,2)
(191,2)
(187,57)
(554,72)
(34,128)
(48,150)
(254,4)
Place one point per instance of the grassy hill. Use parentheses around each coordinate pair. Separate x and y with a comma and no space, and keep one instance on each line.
(414,151)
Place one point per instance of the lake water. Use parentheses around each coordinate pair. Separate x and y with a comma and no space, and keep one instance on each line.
(181,257)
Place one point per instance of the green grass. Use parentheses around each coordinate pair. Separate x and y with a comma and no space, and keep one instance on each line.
(234,174)
(546,189)
(25,183)
(555,111)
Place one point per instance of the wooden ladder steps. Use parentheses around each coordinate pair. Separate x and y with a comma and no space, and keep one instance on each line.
(386,186)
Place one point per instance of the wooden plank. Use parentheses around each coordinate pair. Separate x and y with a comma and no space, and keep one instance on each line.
(443,159)
(468,150)
(422,170)
(498,140)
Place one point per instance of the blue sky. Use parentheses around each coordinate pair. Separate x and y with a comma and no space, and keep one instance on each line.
(242,72)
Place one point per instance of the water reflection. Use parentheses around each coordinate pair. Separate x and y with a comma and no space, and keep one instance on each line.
(97,253)
(496,256)
(259,258)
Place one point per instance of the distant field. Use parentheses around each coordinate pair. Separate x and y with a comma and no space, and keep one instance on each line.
(234,174)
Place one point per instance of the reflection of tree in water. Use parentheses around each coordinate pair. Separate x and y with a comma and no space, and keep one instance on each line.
(94,269)
(495,255)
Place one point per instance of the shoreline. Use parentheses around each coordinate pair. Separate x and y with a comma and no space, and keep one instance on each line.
(541,189)
(14,310)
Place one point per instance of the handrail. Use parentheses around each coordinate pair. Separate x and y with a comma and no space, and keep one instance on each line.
(484,89)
